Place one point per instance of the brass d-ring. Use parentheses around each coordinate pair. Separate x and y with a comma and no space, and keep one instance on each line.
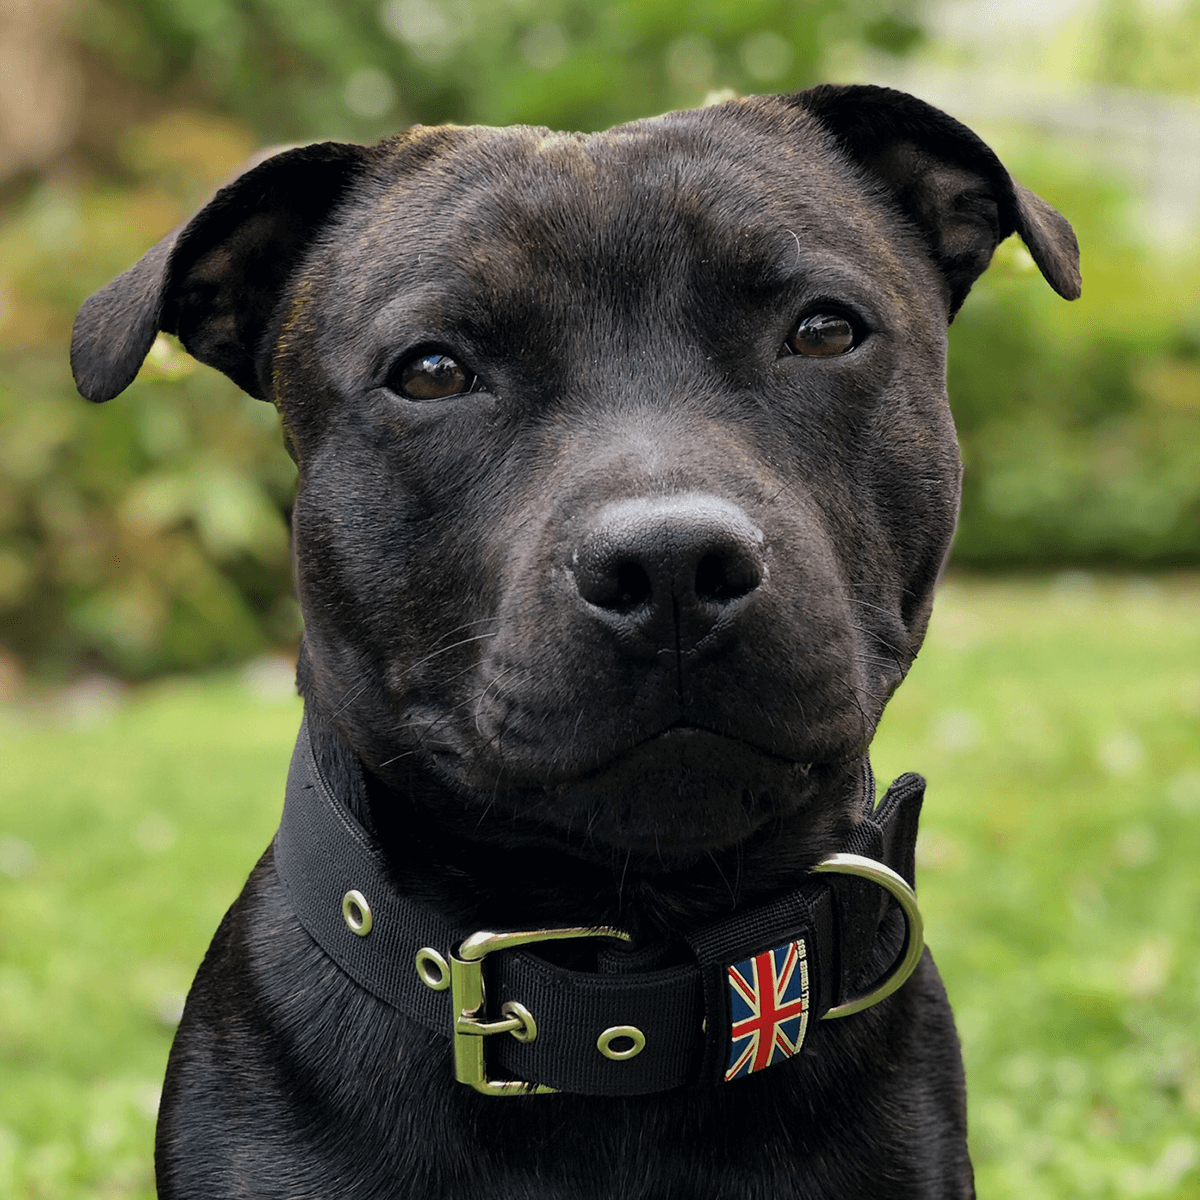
(914,943)
(629,1033)
(357,912)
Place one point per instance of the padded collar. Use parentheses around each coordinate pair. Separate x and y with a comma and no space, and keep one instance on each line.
(750,998)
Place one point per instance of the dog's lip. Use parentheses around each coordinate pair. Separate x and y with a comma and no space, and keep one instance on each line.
(669,839)
(683,733)
(618,800)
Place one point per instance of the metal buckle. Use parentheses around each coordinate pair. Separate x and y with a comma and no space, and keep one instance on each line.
(914,942)
(469,1004)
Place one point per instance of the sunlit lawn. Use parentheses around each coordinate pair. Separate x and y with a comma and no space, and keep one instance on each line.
(1058,722)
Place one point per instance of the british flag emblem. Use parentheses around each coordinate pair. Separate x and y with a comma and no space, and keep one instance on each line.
(768,1004)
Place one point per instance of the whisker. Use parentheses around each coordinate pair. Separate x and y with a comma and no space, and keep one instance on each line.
(713,858)
(483,696)
(349,697)
(479,637)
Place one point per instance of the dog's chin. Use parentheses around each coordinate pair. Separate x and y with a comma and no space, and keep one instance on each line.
(678,796)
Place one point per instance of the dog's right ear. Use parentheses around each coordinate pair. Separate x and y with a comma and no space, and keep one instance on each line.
(217,281)
(947,182)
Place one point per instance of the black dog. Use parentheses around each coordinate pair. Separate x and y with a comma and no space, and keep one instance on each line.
(626,473)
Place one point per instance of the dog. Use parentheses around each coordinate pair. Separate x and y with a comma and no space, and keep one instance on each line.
(626,473)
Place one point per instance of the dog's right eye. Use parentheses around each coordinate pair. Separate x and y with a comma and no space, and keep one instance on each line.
(822,335)
(431,377)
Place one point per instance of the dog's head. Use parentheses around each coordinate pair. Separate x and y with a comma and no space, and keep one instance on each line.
(626,466)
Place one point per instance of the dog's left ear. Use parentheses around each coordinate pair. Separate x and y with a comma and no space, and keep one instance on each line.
(217,281)
(948,182)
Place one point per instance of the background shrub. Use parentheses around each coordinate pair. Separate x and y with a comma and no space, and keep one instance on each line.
(151,535)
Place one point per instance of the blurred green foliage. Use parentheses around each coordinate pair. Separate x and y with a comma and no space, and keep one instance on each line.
(563,63)
(1080,424)
(1143,44)
(148,535)
(151,535)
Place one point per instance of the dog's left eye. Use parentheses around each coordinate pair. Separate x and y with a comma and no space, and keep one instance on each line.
(822,335)
(431,377)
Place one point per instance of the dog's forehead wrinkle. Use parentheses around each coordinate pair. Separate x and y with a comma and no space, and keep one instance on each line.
(544,172)
(646,181)
(513,228)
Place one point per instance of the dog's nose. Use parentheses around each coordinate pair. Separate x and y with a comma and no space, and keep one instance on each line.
(668,570)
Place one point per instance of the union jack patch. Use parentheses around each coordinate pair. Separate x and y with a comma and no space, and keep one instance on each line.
(768,1005)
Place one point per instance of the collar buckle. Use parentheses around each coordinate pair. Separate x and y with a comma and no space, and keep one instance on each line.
(469,1003)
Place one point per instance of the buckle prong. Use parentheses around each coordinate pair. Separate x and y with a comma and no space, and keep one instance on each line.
(469,1003)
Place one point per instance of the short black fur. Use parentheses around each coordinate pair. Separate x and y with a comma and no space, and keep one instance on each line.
(531,741)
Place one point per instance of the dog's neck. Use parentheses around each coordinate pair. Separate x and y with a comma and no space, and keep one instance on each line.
(489,870)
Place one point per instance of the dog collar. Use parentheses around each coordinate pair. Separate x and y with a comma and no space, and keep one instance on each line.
(759,982)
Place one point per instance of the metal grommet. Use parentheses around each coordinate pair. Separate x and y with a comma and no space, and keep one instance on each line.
(357,912)
(608,1043)
(528,1029)
(432,969)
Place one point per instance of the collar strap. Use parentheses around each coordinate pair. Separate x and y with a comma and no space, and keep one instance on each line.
(760,979)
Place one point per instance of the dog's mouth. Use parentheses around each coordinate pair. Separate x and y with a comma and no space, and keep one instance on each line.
(692,745)
(679,793)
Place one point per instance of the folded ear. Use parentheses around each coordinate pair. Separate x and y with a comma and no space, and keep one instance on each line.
(948,182)
(217,281)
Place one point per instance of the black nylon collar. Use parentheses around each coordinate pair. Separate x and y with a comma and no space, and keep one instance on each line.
(321,855)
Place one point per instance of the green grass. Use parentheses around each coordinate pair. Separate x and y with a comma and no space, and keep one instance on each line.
(1058,723)
(1059,726)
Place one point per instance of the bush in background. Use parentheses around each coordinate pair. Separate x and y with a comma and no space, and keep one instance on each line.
(366,67)
(150,535)
(1080,423)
